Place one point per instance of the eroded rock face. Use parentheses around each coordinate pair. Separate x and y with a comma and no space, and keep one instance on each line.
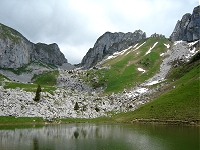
(109,43)
(188,29)
(49,54)
(16,50)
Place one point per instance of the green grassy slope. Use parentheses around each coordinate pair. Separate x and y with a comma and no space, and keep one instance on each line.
(2,78)
(7,32)
(46,80)
(179,101)
(123,72)
(29,87)
(11,120)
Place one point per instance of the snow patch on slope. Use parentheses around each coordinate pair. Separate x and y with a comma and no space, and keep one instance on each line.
(193,43)
(167,45)
(142,70)
(149,51)
(162,54)
(180,51)
(154,82)
(140,46)
(178,42)
(136,92)
(118,53)
(135,45)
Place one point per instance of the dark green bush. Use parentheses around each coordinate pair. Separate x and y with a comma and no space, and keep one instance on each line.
(97,109)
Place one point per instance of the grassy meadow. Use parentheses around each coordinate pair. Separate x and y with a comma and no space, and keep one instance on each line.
(123,72)
(180,100)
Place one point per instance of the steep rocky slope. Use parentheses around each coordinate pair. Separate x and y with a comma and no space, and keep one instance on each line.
(16,50)
(188,29)
(109,43)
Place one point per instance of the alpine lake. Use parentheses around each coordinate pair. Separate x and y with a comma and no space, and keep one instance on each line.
(101,136)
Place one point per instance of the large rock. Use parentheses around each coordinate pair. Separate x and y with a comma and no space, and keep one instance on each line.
(109,43)
(16,50)
(188,29)
(49,54)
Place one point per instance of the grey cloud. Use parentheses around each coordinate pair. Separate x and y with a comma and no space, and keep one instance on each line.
(58,21)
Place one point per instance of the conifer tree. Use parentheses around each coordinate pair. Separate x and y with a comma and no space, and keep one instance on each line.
(37,95)
(76,107)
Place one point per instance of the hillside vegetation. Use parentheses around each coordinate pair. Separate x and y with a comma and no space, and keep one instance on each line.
(7,32)
(47,79)
(121,72)
(179,100)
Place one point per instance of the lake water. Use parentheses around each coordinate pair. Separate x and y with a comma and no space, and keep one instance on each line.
(99,137)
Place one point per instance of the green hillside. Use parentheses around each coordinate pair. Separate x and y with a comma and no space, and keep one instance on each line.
(178,101)
(123,70)
(7,32)
(47,79)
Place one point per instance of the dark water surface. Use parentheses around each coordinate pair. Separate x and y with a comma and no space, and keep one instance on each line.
(99,137)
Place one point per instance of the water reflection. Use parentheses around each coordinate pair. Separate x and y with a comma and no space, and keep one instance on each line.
(100,136)
(76,134)
(35,144)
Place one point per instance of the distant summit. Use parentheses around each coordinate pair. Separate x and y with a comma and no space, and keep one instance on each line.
(109,43)
(16,50)
(155,35)
(188,29)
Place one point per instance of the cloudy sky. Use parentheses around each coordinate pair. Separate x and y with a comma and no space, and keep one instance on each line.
(75,25)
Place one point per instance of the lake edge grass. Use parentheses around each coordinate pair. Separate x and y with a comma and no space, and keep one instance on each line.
(32,121)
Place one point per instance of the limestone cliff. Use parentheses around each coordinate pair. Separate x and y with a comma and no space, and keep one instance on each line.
(50,54)
(16,50)
(109,43)
(188,29)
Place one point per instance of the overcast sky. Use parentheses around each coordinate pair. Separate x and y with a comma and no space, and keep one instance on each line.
(75,25)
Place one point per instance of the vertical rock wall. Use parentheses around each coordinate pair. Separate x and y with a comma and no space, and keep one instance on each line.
(188,29)
(16,50)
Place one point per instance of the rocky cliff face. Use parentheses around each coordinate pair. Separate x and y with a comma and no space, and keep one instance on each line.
(16,50)
(109,43)
(50,54)
(188,29)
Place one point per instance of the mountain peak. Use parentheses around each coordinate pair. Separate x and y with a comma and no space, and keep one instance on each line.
(16,50)
(188,28)
(109,43)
